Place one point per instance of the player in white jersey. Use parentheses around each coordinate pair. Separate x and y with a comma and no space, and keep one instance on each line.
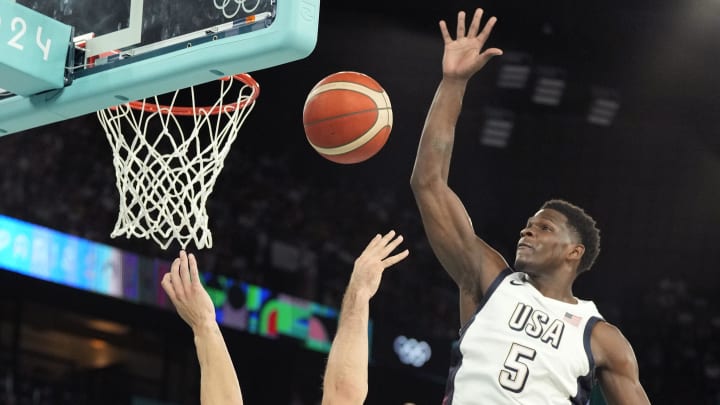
(526,339)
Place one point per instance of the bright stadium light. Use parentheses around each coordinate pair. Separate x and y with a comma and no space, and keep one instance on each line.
(604,106)
(549,86)
(514,71)
(497,128)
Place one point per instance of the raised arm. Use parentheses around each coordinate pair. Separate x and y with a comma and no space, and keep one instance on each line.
(471,263)
(218,381)
(617,367)
(346,379)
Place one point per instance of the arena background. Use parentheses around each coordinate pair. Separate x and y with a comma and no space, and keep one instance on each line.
(651,178)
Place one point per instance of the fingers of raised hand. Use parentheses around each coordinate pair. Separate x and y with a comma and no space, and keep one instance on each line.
(167,285)
(445,33)
(194,273)
(185,269)
(372,244)
(487,29)
(176,279)
(475,23)
(387,238)
(380,247)
(390,242)
(377,243)
(460,29)
(394,259)
(389,247)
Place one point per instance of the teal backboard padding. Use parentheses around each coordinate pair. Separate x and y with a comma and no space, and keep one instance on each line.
(291,36)
(33,50)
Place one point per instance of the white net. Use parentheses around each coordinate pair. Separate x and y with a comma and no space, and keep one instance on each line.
(167,159)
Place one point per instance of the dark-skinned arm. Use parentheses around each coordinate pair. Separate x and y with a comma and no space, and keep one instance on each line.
(469,261)
(617,367)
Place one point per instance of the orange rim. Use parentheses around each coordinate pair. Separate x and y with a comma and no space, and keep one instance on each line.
(207,110)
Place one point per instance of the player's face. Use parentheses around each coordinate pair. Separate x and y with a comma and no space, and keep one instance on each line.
(544,243)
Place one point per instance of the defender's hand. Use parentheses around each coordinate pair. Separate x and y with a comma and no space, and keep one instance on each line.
(370,265)
(182,285)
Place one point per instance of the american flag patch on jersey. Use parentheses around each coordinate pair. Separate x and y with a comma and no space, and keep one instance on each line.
(573,320)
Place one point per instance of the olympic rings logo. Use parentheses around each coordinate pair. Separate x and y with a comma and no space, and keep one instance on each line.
(224,5)
(412,352)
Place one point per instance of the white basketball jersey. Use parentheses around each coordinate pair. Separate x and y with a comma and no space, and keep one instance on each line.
(521,347)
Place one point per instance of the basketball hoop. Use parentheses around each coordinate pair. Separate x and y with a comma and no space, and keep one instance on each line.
(166,166)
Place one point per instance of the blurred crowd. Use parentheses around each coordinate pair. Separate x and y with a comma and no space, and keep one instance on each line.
(297,232)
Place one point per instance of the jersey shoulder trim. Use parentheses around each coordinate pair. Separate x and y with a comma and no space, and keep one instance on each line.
(585,383)
(493,286)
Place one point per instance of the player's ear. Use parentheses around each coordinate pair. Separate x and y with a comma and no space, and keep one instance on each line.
(576,252)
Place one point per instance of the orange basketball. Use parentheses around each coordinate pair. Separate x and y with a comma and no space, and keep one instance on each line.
(347,117)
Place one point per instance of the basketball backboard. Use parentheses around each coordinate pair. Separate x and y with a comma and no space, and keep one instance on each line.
(124,50)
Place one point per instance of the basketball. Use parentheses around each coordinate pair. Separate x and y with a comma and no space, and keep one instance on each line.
(347,117)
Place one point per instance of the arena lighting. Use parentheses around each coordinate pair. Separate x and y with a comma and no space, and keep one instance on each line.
(604,106)
(514,71)
(411,351)
(498,127)
(549,86)
(108,326)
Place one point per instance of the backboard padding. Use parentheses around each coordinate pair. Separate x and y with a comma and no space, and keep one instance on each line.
(291,36)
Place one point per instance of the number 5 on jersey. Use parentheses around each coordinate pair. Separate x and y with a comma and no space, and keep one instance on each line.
(515,374)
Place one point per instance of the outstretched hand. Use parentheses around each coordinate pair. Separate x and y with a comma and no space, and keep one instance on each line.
(182,285)
(370,265)
(464,56)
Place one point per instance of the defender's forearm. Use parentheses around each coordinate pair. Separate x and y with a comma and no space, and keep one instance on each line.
(218,380)
(346,375)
